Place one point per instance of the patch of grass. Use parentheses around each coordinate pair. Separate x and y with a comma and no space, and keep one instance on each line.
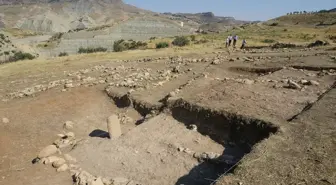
(16,32)
(202,41)
(181,41)
(91,50)
(268,41)
(162,45)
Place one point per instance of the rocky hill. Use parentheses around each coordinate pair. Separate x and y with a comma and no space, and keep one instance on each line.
(207,21)
(64,15)
(327,18)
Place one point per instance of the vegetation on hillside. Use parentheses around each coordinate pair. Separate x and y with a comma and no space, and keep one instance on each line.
(181,41)
(162,45)
(91,50)
(123,45)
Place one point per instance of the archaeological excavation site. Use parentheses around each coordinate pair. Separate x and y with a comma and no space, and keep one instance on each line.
(191,119)
(132,92)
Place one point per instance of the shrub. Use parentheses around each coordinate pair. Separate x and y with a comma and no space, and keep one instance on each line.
(62,54)
(2,36)
(268,41)
(21,56)
(193,38)
(122,45)
(318,43)
(91,50)
(181,41)
(119,45)
(274,24)
(162,45)
(152,38)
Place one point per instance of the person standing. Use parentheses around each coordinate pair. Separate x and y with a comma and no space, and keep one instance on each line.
(230,40)
(243,44)
(227,42)
(235,38)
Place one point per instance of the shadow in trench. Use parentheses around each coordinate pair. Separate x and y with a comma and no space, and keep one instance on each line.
(208,171)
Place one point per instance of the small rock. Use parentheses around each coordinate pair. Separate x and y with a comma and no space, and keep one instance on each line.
(107,181)
(176,69)
(313,82)
(47,151)
(68,85)
(58,163)
(172,94)
(188,151)
(68,125)
(192,127)
(248,82)
(51,159)
(247,59)
(5,120)
(304,82)
(215,62)
(70,135)
(70,158)
(293,84)
(97,181)
(232,59)
(62,168)
(62,143)
(180,149)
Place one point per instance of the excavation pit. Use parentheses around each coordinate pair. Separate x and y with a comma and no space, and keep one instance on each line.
(165,150)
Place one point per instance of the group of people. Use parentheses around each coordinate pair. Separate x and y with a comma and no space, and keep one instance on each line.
(234,39)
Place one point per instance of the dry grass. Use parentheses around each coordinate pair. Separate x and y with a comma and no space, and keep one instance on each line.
(257,34)
(308,19)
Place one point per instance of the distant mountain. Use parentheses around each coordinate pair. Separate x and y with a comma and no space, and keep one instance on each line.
(332,10)
(207,21)
(64,15)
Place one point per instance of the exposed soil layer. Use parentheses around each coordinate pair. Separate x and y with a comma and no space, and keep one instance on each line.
(309,137)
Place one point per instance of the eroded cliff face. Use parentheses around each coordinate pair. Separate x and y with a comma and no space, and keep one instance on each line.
(63,15)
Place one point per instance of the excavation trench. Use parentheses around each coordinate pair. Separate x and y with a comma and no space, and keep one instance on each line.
(221,140)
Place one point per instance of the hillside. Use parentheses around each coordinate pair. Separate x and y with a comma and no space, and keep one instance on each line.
(64,15)
(207,21)
(315,19)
